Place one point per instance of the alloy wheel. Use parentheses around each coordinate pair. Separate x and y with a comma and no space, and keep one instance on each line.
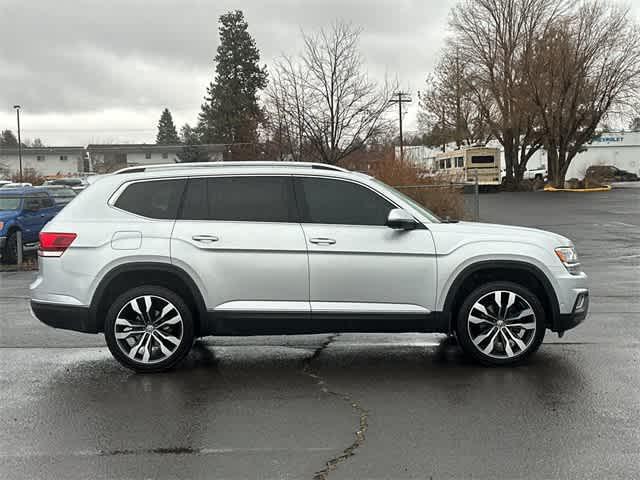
(148,329)
(502,324)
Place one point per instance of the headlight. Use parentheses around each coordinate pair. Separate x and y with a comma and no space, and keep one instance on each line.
(569,258)
(1,226)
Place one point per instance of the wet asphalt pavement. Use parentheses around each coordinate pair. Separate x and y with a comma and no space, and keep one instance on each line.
(346,406)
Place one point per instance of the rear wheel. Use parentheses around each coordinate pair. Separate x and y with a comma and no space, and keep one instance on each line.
(149,329)
(501,323)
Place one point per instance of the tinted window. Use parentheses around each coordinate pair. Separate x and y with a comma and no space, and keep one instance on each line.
(32,204)
(482,159)
(248,199)
(47,202)
(154,199)
(340,202)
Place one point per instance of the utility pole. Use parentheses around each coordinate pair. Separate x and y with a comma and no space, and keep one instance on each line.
(400,98)
(17,107)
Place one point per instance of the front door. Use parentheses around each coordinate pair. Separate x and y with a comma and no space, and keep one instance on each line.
(363,274)
(239,236)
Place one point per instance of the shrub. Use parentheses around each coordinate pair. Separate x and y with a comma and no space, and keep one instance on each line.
(435,193)
(29,175)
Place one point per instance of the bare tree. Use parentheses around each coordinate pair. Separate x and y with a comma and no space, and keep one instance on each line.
(285,107)
(448,110)
(584,67)
(323,101)
(494,38)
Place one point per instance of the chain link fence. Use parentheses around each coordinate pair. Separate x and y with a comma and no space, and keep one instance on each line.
(453,200)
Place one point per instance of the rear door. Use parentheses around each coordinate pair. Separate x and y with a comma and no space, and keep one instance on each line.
(360,269)
(240,237)
(32,218)
(49,208)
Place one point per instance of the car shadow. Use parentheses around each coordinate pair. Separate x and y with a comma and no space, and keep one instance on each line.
(257,395)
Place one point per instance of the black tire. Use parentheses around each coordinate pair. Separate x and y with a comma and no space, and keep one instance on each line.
(10,252)
(158,294)
(465,328)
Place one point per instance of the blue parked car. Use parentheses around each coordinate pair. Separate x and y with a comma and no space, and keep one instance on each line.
(26,210)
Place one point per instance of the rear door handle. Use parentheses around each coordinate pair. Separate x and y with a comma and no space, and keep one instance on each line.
(205,238)
(322,241)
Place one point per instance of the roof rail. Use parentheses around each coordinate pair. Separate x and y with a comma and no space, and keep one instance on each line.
(197,165)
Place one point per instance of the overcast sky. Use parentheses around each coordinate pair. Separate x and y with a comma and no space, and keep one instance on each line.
(102,71)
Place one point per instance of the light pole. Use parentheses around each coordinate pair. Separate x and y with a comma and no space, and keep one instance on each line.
(17,107)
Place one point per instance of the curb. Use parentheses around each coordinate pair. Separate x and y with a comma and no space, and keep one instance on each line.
(605,188)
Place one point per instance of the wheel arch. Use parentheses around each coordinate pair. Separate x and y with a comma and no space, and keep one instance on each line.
(523,273)
(123,277)
(13,227)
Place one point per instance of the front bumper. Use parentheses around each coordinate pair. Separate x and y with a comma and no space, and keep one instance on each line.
(68,317)
(567,321)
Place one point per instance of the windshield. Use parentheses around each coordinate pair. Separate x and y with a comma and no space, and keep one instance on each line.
(9,203)
(426,212)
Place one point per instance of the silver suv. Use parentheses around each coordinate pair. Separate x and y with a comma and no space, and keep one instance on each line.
(157,256)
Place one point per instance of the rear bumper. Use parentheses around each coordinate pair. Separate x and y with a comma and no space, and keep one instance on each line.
(67,317)
(567,321)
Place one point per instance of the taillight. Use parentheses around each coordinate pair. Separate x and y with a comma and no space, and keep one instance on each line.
(53,244)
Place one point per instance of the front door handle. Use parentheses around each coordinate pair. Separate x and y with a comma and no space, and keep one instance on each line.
(322,241)
(205,238)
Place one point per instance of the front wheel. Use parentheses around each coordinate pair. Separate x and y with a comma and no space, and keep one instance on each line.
(10,253)
(501,323)
(149,329)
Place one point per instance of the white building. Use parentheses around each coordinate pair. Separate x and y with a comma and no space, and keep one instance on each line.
(143,154)
(620,149)
(46,161)
(421,156)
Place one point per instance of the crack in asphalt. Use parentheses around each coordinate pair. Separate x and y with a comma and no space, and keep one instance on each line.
(363,414)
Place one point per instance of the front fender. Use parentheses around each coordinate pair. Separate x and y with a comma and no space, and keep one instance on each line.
(458,264)
(10,224)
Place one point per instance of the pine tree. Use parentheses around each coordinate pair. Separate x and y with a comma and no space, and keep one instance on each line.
(192,151)
(8,139)
(231,113)
(167,134)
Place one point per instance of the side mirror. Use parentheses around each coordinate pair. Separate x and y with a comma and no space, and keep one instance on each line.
(398,219)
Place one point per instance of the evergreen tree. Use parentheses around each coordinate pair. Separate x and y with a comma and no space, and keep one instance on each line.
(192,151)
(8,139)
(167,134)
(231,113)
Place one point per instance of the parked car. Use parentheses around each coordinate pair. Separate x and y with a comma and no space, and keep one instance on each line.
(156,256)
(60,193)
(534,173)
(76,184)
(26,210)
(4,182)
(609,173)
(16,185)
